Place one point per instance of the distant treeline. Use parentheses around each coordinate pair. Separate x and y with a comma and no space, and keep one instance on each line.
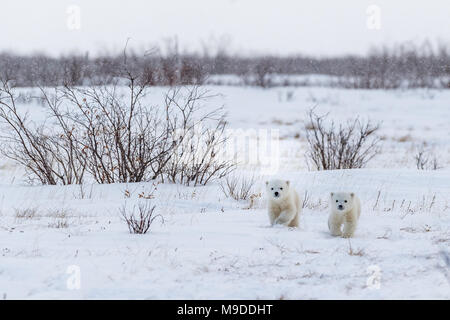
(401,66)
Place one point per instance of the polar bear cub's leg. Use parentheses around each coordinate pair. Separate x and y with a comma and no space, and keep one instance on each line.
(286,217)
(273,214)
(295,221)
(349,228)
(350,223)
(334,225)
(351,218)
(289,216)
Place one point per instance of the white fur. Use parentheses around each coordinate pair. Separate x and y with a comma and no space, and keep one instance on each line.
(283,203)
(347,215)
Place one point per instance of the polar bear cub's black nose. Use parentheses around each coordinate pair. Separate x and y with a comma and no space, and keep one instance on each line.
(340,207)
(276,194)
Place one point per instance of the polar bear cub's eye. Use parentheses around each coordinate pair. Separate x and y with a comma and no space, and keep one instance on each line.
(345,201)
(281,188)
(271,188)
(337,201)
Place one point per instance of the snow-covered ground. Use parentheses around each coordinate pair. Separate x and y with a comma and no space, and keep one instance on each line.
(213,247)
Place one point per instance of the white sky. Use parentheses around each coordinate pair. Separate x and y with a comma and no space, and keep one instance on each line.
(324,27)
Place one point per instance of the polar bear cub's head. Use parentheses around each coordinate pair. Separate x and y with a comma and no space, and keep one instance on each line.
(277,189)
(342,201)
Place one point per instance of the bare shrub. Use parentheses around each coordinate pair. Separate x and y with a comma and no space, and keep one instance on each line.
(141,217)
(60,218)
(120,139)
(306,199)
(84,193)
(147,191)
(352,252)
(401,65)
(255,200)
(238,187)
(309,203)
(405,138)
(60,213)
(425,159)
(46,155)
(59,223)
(200,139)
(340,147)
(115,136)
(192,71)
(26,213)
(263,70)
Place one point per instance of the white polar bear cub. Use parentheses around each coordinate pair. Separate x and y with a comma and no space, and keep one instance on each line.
(345,209)
(283,203)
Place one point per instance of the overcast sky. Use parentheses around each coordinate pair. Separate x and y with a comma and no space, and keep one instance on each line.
(323,27)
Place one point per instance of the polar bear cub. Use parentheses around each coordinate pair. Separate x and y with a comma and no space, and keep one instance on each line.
(345,209)
(283,203)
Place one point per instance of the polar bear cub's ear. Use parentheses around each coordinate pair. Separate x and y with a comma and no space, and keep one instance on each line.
(267,183)
(287,182)
(352,194)
(332,194)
